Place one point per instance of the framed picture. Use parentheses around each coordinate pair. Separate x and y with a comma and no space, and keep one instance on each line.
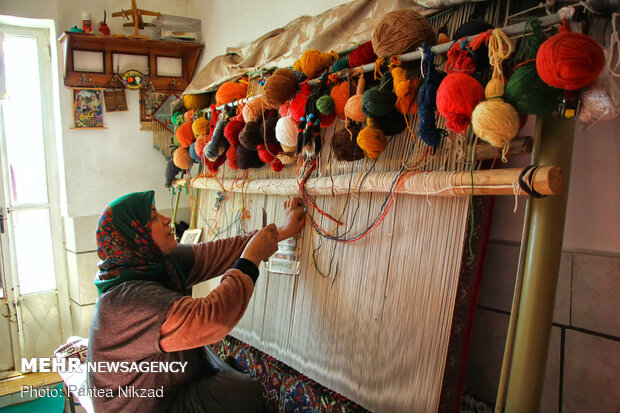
(191,236)
(88,108)
(149,102)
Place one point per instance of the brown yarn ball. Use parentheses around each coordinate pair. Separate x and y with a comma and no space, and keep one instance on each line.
(253,109)
(182,158)
(279,87)
(251,135)
(344,144)
(401,31)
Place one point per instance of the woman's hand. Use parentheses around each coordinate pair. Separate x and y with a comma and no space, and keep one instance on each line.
(294,216)
(262,245)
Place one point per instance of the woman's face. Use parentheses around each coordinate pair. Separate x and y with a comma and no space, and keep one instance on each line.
(162,233)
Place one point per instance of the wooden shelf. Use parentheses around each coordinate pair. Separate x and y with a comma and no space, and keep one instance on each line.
(108,45)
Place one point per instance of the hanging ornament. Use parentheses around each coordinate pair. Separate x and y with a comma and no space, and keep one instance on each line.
(133,79)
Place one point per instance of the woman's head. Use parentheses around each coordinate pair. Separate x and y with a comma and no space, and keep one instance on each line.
(133,240)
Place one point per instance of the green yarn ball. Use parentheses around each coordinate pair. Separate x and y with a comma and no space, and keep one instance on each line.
(529,94)
(376,102)
(176,141)
(325,104)
(340,64)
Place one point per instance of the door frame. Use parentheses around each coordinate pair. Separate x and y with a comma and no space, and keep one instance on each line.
(44,30)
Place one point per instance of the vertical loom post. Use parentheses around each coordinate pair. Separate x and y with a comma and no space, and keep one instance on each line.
(540,278)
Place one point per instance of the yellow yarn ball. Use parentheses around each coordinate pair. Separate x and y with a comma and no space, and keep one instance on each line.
(313,62)
(495,121)
(196,102)
(494,89)
(201,126)
(372,140)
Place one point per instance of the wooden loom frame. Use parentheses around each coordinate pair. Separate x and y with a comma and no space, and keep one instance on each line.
(468,267)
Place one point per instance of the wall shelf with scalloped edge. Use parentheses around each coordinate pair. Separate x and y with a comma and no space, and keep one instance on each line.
(109,45)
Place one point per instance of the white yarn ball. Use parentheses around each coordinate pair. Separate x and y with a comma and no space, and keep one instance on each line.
(286,131)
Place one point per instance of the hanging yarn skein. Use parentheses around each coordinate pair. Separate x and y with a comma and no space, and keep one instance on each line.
(218,143)
(459,93)
(309,136)
(495,120)
(401,31)
(313,62)
(279,87)
(353,107)
(427,130)
(406,90)
(569,60)
(525,89)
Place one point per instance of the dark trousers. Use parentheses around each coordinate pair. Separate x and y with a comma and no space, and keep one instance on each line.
(224,391)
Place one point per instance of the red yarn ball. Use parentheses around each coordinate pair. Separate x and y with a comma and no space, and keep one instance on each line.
(362,54)
(231,157)
(326,120)
(298,105)
(569,61)
(457,96)
(232,129)
(276,165)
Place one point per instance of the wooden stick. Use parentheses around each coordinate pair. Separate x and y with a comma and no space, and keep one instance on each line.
(547,180)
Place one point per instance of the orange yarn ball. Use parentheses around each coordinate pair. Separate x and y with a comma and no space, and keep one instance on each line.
(201,126)
(185,135)
(401,31)
(353,107)
(372,140)
(279,87)
(182,158)
(340,93)
(253,109)
(313,62)
(230,91)
(201,142)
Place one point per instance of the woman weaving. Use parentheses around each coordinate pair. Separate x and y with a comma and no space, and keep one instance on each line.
(144,312)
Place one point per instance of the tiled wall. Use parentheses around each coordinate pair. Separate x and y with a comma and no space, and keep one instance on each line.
(82,259)
(583,366)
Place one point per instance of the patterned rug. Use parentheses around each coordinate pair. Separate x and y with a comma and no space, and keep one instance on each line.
(286,390)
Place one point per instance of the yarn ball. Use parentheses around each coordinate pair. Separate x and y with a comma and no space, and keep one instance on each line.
(326,120)
(289,149)
(196,102)
(230,91)
(201,126)
(285,109)
(176,141)
(353,108)
(313,62)
(344,144)
(457,96)
(286,131)
(182,159)
(171,172)
(471,28)
(377,102)
(268,153)
(185,135)
(362,55)
(401,31)
(528,94)
(340,94)
(442,38)
(200,144)
(218,143)
(189,115)
(325,104)
(495,121)
(340,64)
(279,87)
(269,130)
(253,109)
(392,123)
(251,135)
(409,103)
(569,61)
(193,154)
(372,140)
(231,157)
(286,159)
(232,130)
(298,104)
(247,158)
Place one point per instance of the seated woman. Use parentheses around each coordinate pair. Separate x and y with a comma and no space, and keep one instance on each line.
(144,312)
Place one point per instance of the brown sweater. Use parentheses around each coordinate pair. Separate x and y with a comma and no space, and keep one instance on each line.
(142,321)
